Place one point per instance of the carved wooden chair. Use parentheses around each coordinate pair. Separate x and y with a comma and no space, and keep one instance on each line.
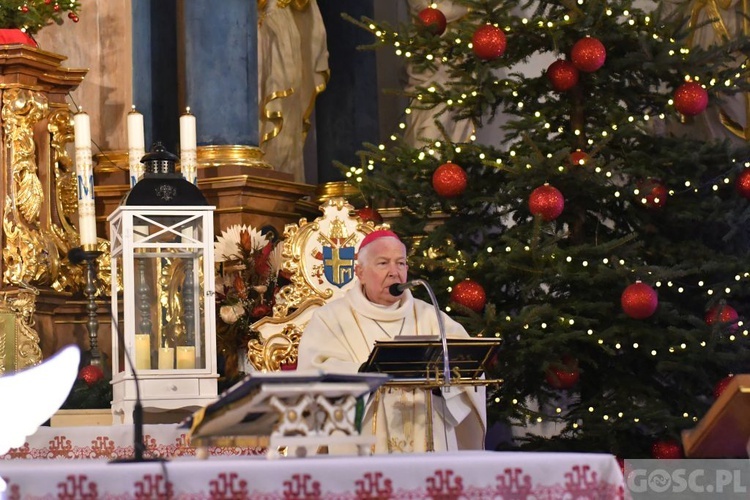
(319,257)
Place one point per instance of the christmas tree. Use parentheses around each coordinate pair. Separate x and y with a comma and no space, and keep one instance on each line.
(32,15)
(602,237)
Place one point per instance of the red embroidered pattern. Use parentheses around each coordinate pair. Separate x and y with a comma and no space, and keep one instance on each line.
(301,487)
(372,486)
(444,486)
(77,488)
(153,487)
(60,447)
(228,487)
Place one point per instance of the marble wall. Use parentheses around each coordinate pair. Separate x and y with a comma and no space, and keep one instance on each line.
(101,42)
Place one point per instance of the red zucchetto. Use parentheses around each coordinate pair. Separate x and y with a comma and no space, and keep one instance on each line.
(376,235)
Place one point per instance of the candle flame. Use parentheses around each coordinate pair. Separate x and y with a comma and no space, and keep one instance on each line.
(187,110)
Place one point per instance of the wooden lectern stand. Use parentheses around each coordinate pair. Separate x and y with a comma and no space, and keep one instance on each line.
(417,363)
(299,410)
(724,431)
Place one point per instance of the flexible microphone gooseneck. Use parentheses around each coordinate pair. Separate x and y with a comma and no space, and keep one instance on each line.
(397,289)
(139,446)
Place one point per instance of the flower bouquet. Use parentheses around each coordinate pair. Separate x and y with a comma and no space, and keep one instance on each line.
(249,271)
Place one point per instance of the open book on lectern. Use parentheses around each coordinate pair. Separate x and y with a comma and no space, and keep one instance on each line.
(247,408)
(420,357)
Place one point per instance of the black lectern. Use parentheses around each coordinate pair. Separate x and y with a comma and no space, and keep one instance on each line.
(419,359)
(417,363)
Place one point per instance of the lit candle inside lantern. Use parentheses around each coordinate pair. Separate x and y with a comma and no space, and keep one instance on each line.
(143,351)
(186,356)
(166,358)
(85,180)
(188,147)
(136,145)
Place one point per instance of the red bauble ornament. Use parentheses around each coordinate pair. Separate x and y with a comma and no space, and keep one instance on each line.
(722,314)
(370,214)
(24,8)
(450,180)
(74,18)
(665,449)
(639,301)
(546,201)
(563,375)
(91,374)
(488,42)
(433,20)
(469,294)
(742,183)
(690,98)
(56,7)
(722,385)
(588,54)
(652,193)
(563,75)
(579,158)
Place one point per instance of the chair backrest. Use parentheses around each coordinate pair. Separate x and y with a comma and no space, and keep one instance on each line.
(318,257)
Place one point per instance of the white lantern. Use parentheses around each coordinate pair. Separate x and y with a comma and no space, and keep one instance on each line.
(162,258)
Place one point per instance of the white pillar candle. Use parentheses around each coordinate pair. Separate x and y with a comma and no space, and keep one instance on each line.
(143,351)
(136,145)
(166,358)
(185,356)
(85,180)
(188,147)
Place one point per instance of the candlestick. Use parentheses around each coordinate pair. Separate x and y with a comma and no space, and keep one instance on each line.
(166,358)
(143,351)
(185,356)
(85,178)
(76,256)
(188,147)
(136,145)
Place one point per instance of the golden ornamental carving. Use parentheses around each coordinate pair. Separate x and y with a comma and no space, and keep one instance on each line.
(17,335)
(298,5)
(29,253)
(276,350)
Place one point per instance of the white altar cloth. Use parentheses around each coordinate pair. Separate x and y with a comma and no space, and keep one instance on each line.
(468,474)
(115,441)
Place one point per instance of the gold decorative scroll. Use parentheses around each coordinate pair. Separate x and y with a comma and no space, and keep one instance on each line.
(712,9)
(60,126)
(29,254)
(296,4)
(19,343)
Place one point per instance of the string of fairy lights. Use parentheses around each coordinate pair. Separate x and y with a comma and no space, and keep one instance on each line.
(441,96)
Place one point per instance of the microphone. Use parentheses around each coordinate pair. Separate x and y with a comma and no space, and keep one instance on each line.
(397,289)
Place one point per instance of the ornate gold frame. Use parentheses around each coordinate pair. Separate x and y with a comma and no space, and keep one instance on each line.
(19,342)
(279,335)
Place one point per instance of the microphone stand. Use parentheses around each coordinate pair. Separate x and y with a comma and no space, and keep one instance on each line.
(139,445)
(443,339)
